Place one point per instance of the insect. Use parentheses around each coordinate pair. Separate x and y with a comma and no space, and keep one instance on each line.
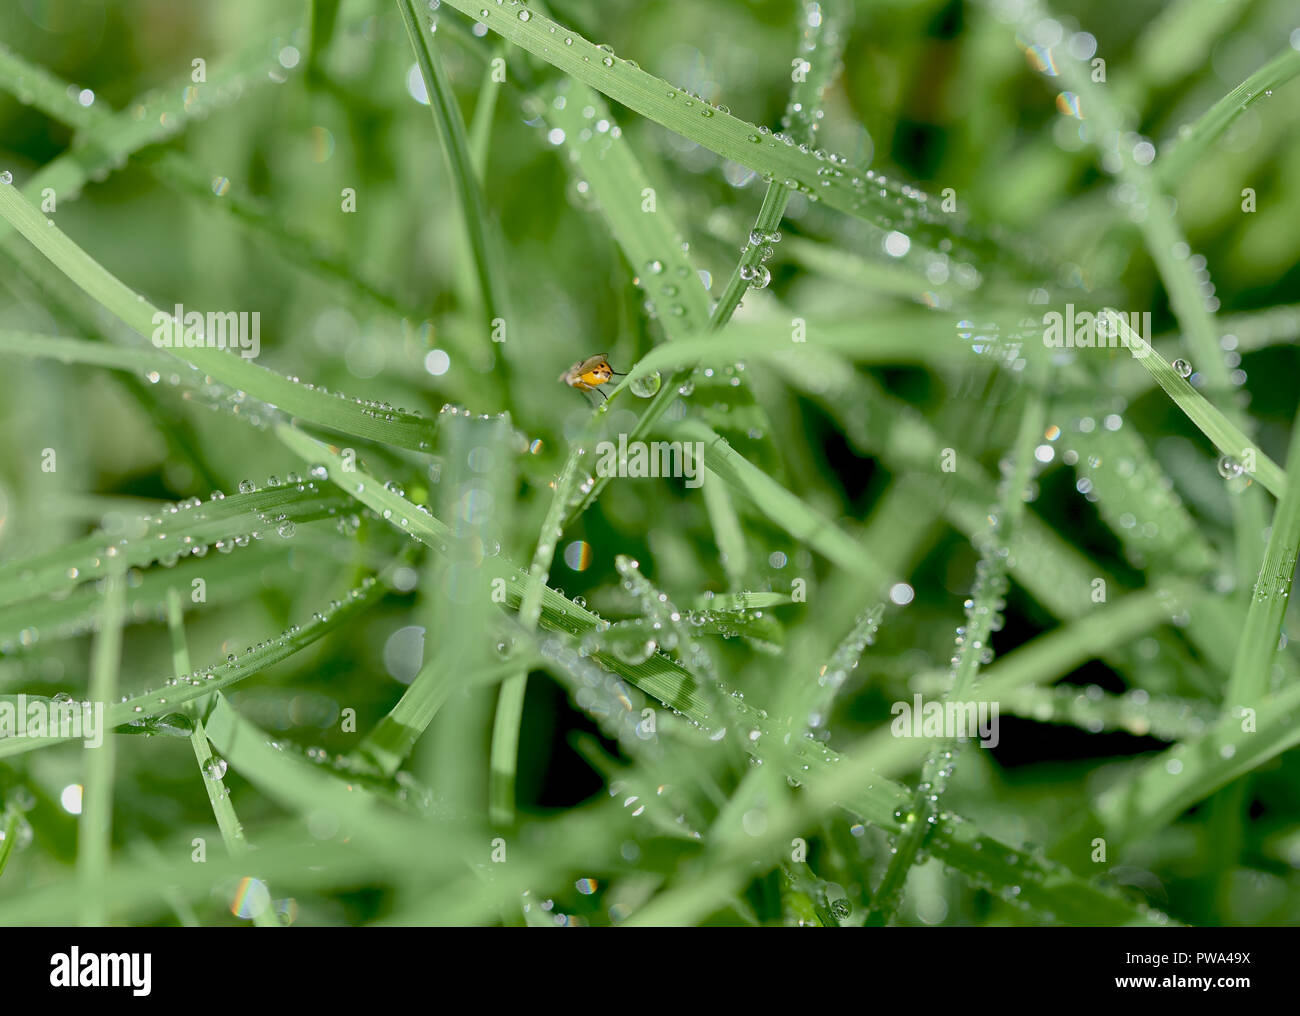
(587,375)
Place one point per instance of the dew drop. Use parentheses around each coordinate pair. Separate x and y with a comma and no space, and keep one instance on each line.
(647,385)
(216,767)
(1229,467)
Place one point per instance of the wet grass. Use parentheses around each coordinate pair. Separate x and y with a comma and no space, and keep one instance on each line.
(416,628)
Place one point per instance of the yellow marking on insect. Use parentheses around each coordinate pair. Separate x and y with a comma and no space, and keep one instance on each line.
(587,375)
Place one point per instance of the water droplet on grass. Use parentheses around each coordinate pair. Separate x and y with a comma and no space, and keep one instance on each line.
(647,385)
(1229,467)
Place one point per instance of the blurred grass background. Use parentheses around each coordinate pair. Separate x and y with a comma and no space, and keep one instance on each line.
(242,210)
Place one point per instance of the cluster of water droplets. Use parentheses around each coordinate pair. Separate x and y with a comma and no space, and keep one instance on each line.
(987,338)
(842,663)
(615,705)
(17,801)
(177,690)
(972,649)
(759,247)
(868,194)
(663,804)
(666,280)
(819,40)
(205,390)
(1274,582)
(983,608)
(1135,711)
(1132,491)
(167,537)
(669,628)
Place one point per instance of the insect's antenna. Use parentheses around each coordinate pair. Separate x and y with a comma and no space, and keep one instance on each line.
(618,373)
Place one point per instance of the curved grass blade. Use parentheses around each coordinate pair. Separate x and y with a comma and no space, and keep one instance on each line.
(983,608)
(1195,140)
(139,710)
(823,177)
(39,622)
(165,537)
(389,426)
(484,242)
(1164,717)
(657,676)
(1039,661)
(504,753)
(1225,434)
(819,31)
(110,139)
(1174,780)
(1134,495)
(212,769)
(1164,241)
(1254,727)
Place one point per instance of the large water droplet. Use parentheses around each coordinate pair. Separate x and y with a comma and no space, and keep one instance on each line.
(1229,467)
(645,386)
(215,768)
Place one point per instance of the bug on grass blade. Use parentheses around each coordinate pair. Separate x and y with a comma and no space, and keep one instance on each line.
(587,375)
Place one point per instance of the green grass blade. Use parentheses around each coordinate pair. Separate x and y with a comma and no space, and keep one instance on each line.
(831,180)
(10,819)
(211,768)
(484,242)
(1227,437)
(1255,726)
(785,509)
(1195,140)
(1164,241)
(224,522)
(95,828)
(657,676)
(350,417)
(142,708)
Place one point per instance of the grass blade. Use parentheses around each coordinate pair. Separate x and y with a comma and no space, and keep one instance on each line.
(830,179)
(484,243)
(95,828)
(1201,136)
(1227,437)
(403,429)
